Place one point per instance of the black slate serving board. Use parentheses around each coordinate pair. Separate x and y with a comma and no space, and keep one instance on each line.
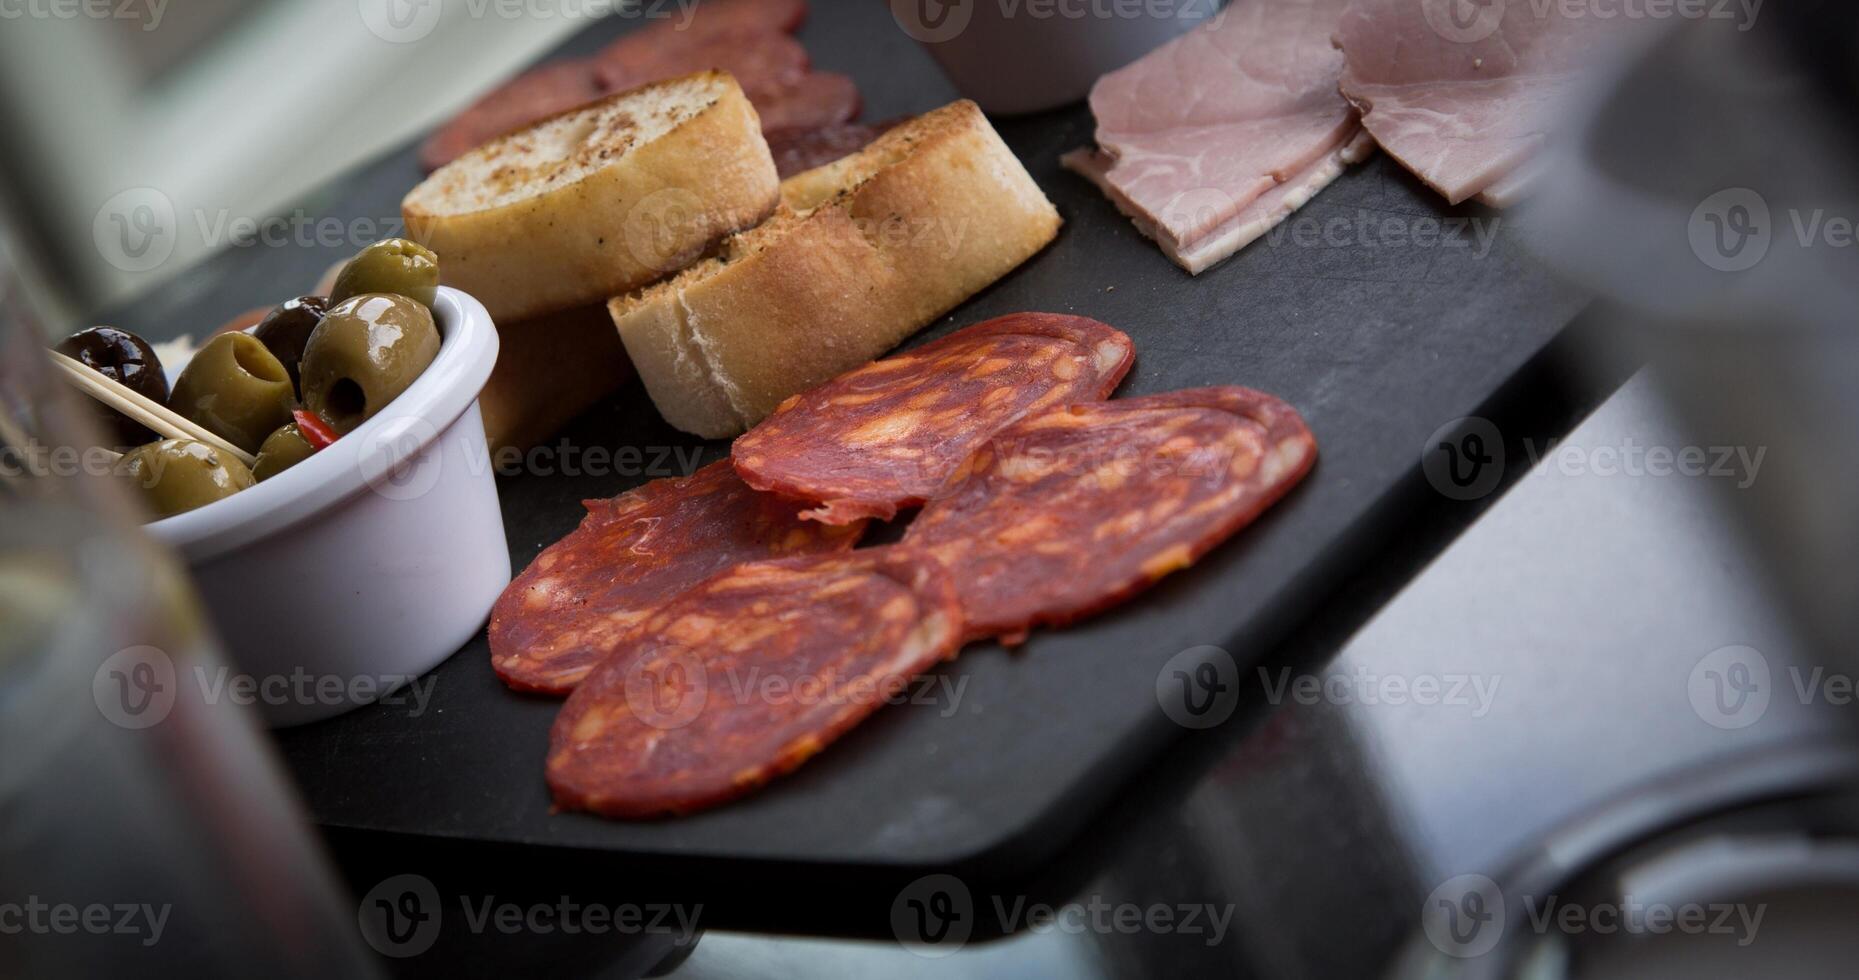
(1379,340)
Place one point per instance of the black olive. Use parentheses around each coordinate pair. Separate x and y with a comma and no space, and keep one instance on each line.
(285,331)
(128,360)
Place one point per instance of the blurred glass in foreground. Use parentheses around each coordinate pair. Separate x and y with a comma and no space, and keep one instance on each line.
(144,828)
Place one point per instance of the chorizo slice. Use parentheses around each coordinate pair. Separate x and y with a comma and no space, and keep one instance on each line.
(797,149)
(536,94)
(1070,512)
(816,99)
(764,62)
(746,676)
(885,436)
(584,594)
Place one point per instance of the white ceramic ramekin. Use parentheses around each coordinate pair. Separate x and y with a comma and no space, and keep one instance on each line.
(352,573)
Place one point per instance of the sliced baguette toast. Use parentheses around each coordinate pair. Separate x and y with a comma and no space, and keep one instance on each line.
(597,200)
(864,252)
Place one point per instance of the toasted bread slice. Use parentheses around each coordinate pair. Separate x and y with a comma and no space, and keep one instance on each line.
(597,200)
(865,252)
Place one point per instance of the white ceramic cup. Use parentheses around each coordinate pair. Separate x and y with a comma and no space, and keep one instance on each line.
(350,574)
(1020,56)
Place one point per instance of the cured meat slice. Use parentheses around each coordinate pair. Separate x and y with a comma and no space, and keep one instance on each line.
(1072,511)
(885,436)
(1192,134)
(533,95)
(748,675)
(1268,210)
(714,16)
(582,596)
(663,37)
(1250,223)
(747,38)
(1463,94)
(820,98)
(764,62)
(801,148)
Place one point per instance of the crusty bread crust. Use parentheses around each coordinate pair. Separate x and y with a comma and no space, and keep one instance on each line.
(579,207)
(867,251)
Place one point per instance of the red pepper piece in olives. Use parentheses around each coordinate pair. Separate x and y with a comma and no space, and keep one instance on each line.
(285,330)
(127,360)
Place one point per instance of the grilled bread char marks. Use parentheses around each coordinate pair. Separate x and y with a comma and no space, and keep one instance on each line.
(598,200)
(885,436)
(584,595)
(746,676)
(868,250)
(1070,512)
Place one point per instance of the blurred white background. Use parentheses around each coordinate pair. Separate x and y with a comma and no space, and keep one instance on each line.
(230,108)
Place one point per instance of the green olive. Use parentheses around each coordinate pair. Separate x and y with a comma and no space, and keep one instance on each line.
(363,355)
(236,388)
(176,475)
(282,450)
(395,266)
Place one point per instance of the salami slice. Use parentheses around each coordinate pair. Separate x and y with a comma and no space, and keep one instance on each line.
(885,436)
(535,94)
(746,676)
(660,43)
(820,98)
(582,596)
(764,62)
(801,148)
(1072,511)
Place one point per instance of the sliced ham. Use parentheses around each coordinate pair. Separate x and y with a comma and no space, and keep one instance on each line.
(1211,139)
(1464,102)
